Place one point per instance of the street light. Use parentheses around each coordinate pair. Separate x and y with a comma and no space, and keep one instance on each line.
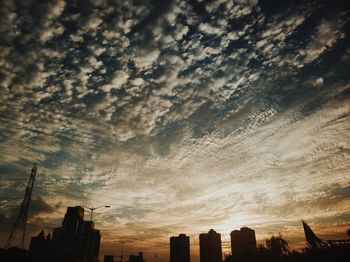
(94,208)
(122,249)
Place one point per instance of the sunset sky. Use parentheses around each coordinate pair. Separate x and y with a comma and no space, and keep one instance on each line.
(181,115)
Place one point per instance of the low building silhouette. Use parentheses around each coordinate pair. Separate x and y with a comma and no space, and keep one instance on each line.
(14,254)
(243,244)
(40,247)
(180,248)
(210,247)
(136,258)
(108,258)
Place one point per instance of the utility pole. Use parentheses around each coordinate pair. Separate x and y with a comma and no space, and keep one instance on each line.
(21,220)
(122,249)
(121,257)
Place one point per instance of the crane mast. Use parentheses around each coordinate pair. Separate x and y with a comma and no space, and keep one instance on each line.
(19,227)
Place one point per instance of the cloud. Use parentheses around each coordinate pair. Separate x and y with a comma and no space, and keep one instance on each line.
(50,27)
(317,82)
(93,23)
(119,78)
(325,37)
(180,32)
(146,58)
(209,29)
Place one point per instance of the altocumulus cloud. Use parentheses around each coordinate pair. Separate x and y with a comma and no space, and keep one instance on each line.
(182,115)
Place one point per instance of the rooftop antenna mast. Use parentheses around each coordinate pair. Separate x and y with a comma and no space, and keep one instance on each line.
(21,220)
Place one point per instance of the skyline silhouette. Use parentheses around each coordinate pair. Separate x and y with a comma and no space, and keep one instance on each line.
(78,240)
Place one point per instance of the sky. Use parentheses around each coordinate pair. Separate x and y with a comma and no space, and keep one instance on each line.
(181,115)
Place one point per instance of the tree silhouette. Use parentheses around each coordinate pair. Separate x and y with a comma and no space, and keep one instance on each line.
(277,245)
(348,232)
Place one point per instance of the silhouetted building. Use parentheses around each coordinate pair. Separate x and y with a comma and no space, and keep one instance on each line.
(243,244)
(108,258)
(90,242)
(136,258)
(14,254)
(210,247)
(40,247)
(76,240)
(180,248)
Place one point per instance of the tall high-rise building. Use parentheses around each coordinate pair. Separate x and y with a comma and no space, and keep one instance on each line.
(90,242)
(76,240)
(180,248)
(67,239)
(243,244)
(210,247)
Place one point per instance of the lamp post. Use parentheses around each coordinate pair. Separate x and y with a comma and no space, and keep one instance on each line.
(94,208)
(121,257)
(122,249)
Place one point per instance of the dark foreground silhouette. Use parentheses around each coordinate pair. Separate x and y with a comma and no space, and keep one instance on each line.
(276,249)
(332,254)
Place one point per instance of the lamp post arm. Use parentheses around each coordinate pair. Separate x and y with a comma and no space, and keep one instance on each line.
(94,208)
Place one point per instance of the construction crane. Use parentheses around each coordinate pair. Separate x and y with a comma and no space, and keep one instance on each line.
(19,227)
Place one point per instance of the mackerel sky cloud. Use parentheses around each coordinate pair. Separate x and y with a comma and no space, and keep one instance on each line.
(181,115)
